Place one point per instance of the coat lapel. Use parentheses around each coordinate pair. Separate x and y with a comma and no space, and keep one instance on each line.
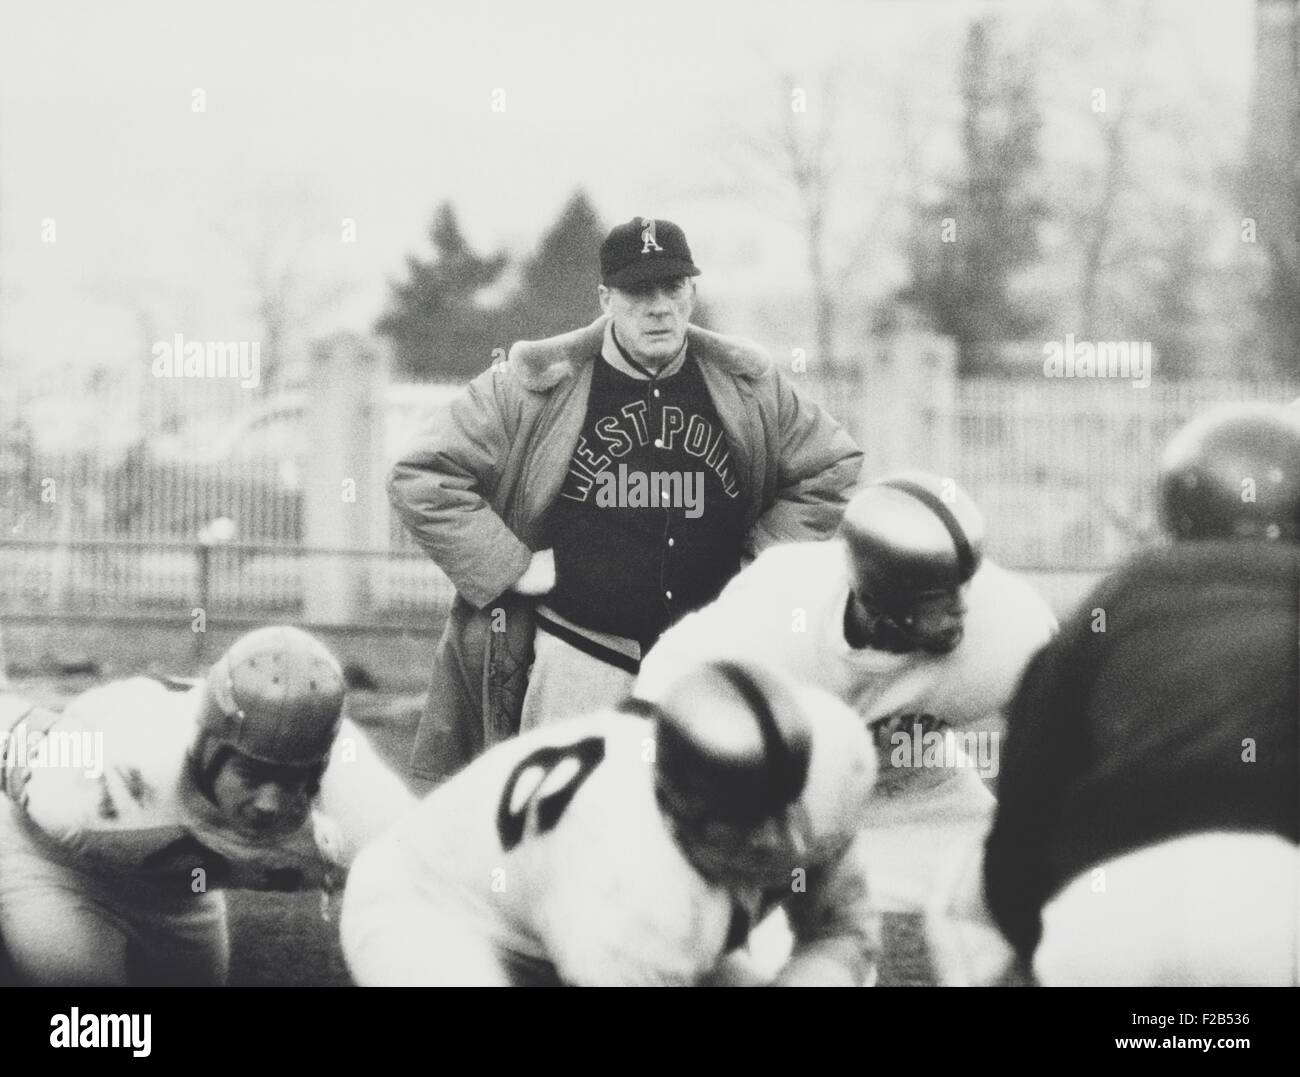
(733,397)
(548,462)
(541,365)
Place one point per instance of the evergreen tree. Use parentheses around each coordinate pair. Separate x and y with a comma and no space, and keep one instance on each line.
(971,242)
(557,288)
(442,325)
(440,329)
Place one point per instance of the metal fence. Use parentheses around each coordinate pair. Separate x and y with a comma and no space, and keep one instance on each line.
(236,580)
(1065,472)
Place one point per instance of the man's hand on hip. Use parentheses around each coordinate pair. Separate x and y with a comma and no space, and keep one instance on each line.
(539,576)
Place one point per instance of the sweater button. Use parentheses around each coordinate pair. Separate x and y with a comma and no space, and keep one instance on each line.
(659,443)
(656,392)
(671,541)
(668,595)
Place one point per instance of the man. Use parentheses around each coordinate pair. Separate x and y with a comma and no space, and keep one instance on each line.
(128,813)
(1149,806)
(634,846)
(906,621)
(622,473)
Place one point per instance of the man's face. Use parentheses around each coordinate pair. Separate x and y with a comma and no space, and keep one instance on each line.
(936,621)
(261,799)
(650,319)
(735,855)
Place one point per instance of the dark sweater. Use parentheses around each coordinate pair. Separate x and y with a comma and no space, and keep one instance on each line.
(628,567)
(1141,733)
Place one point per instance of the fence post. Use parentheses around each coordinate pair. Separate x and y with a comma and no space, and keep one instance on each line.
(215,532)
(909,389)
(203,555)
(341,486)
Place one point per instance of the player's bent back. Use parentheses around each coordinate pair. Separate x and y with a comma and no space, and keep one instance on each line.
(568,855)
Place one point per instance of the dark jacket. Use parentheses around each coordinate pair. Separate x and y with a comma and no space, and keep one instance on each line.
(1176,714)
(475,488)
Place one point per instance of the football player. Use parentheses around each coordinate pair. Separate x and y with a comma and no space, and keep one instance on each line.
(1147,825)
(126,814)
(633,846)
(904,619)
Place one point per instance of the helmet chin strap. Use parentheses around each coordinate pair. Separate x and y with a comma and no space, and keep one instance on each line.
(205,760)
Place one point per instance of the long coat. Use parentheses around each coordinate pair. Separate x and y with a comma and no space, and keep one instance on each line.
(475,488)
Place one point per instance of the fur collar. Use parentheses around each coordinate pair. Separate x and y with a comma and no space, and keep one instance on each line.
(541,365)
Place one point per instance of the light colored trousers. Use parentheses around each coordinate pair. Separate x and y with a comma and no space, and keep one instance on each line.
(66,927)
(567,683)
(1211,909)
(1208,910)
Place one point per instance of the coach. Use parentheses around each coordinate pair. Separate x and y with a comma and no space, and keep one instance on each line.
(624,471)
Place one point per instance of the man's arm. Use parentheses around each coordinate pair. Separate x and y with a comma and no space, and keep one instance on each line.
(836,933)
(817,468)
(128,740)
(441,488)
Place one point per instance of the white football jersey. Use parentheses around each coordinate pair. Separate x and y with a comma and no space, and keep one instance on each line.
(786,611)
(106,785)
(552,846)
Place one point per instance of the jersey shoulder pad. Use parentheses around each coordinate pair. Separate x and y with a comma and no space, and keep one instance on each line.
(1012,599)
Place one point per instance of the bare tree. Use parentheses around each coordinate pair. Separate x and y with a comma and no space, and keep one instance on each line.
(281,236)
(1135,182)
(158,309)
(802,152)
(794,169)
(1099,221)
(289,305)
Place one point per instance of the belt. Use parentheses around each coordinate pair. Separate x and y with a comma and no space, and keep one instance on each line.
(617,651)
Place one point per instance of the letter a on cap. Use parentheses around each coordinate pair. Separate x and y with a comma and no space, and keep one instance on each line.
(648,235)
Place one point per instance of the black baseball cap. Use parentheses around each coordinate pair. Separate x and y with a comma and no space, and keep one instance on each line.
(645,249)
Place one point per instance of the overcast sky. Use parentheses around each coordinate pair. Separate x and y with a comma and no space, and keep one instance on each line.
(318,111)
